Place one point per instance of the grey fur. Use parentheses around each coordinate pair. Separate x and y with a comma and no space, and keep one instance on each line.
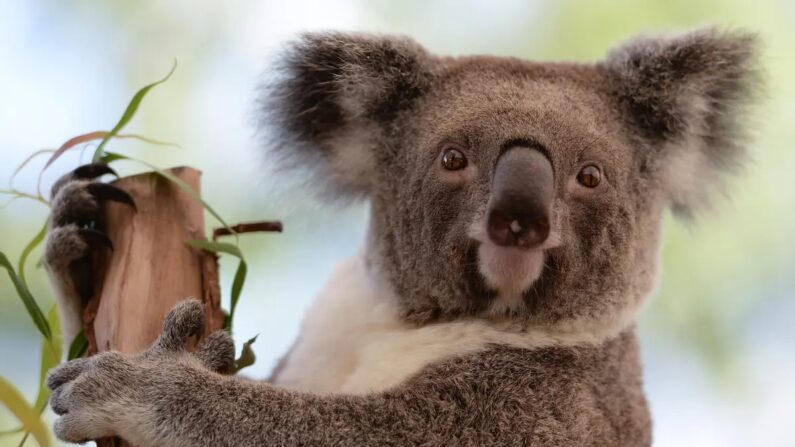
(419,223)
(559,396)
(700,84)
(372,115)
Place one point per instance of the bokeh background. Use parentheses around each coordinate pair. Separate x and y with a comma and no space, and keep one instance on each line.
(718,338)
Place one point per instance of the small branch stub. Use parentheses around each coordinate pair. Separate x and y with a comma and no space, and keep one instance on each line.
(249,227)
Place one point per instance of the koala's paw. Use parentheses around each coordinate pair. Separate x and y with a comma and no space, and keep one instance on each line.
(93,395)
(186,319)
(74,228)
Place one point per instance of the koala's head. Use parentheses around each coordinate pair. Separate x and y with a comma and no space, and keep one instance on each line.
(505,187)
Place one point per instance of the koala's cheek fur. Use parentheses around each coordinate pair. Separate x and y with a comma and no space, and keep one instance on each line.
(663,116)
(419,228)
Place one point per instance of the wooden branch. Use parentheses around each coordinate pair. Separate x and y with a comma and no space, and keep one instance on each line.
(151,267)
(248,227)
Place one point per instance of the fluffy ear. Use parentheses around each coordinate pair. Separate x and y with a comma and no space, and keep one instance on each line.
(687,96)
(333,96)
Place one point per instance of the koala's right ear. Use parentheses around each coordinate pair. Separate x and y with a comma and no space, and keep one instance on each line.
(688,96)
(333,97)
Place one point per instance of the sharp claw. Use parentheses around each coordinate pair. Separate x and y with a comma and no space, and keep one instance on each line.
(93,170)
(104,191)
(94,238)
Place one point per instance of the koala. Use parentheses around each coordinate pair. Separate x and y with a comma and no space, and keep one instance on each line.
(515,219)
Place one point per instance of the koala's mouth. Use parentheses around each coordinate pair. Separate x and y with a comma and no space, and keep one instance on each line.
(509,271)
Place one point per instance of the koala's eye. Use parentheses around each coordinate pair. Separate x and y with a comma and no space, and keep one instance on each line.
(453,159)
(589,176)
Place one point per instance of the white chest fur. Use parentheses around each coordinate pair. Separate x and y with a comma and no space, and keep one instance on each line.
(352,340)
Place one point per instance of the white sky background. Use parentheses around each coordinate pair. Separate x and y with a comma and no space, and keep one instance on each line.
(65,71)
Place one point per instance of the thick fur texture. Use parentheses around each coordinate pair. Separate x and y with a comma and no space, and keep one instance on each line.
(438,334)
(359,311)
(559,396)
(688,97)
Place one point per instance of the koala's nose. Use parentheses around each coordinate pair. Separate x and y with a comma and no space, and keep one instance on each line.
(521,199)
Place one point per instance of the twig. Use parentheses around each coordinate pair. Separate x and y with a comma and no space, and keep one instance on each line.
(249,227)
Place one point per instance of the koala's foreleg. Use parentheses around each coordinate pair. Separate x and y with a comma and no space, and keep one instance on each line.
(74,231)
(167,396)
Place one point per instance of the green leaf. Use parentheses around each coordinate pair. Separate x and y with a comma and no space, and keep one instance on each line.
(240,274)
(37,239)
(132,107)
(237,289)
(216,247)
(50,357)
(30,418)
(78,346)
(178,181)
(247,356)
(227,320)
(27,299)
(110,157)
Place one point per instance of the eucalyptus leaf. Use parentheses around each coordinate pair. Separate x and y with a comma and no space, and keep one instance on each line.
(129,112)
(27,299)
(240,274)
(50,357)
(30,418)
(216,247)
(227,320)
(176,180)
(237,289)
(78,346)
(247,356)
(110,157)
(37,239)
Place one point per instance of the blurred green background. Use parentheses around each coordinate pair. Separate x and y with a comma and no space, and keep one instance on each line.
(718,338)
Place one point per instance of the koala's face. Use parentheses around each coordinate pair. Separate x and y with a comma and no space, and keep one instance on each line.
(502,187)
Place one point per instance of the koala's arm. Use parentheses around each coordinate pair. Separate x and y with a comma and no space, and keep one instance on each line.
(236,412)
(504,396)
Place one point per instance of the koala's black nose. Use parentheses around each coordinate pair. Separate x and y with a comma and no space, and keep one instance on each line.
(521,198)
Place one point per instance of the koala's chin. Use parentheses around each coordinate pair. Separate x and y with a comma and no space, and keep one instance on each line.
(509,270)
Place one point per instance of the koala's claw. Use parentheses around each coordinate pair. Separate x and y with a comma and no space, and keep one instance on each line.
(105,192)
(77,199)
(93,170)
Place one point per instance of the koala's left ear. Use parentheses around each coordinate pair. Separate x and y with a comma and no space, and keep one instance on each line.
(686,97)
(334,96)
